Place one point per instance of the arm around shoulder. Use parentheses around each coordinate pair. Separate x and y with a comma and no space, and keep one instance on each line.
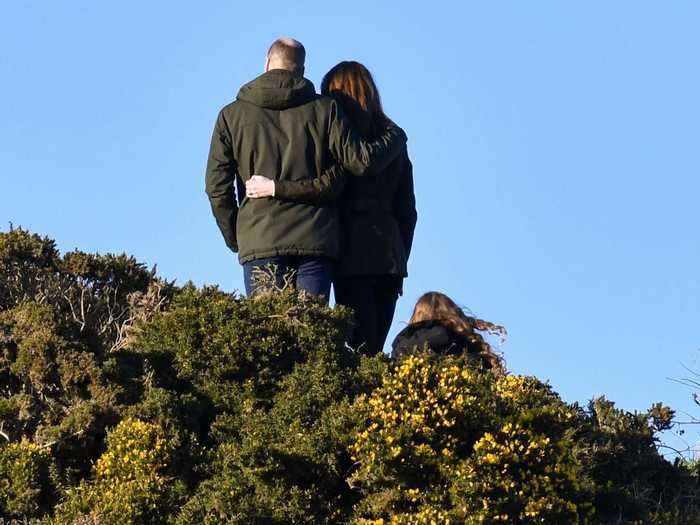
(360,157)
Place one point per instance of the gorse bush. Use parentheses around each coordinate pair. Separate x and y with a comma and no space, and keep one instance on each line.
(278,379)
(447,441)
(130,484)
(127,400)
(426,414)
(25,482)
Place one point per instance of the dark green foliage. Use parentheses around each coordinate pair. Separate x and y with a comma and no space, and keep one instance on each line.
(64,325)
(619,452)
(127,400)
(228,347)
(280,381)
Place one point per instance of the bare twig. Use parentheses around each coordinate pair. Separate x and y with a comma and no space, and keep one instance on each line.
(685,382)
(52,443)
(82,309)
(2,432)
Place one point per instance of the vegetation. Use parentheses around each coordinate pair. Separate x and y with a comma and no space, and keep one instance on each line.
(127,400)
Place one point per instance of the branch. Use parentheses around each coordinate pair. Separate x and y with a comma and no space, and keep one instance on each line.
(685,382)
(2,433)
(690,370)
(82,309)
(678,453)
(52,443)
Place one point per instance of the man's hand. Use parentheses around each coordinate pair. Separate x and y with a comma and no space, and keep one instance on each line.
(258,187)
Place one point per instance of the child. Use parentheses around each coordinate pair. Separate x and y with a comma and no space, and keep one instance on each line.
(447,330)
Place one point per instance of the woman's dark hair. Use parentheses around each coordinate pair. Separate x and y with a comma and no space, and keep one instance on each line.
(436,306)
(352,85)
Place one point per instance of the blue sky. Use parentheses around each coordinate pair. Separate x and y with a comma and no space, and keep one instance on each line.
(555,152)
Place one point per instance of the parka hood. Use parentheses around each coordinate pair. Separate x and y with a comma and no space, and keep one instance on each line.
(278,89)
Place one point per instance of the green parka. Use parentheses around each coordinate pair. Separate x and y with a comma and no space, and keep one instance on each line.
(279,125)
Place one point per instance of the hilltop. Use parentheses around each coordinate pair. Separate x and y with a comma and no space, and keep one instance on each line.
(125,399)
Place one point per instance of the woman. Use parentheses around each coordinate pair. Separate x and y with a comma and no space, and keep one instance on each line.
(438,323)
(377,213)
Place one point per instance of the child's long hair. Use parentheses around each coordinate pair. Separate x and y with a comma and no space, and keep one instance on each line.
(436,306)
(352,85)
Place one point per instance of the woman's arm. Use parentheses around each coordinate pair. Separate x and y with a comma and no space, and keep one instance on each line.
(404,205)
(323,190)
(373,158)
(360,157)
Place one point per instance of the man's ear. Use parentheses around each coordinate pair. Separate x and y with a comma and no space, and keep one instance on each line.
(267,64)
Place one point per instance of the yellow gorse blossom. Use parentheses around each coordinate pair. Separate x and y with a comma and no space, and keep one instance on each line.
(129,481)
(135,448)
(432,418)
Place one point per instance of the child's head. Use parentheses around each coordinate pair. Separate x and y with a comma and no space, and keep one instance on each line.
(436,306)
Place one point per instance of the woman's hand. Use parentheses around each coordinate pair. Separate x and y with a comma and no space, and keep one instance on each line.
(258,187)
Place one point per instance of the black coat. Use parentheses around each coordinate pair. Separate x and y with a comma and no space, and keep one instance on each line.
(378,214)
(377,220)
(437,336)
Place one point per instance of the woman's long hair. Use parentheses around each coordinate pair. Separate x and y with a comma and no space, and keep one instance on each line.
(436,306)
(352,85)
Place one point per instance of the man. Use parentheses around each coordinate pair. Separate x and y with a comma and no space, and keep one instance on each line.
(279,125)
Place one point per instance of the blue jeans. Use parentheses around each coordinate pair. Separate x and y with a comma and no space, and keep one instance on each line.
(312,274)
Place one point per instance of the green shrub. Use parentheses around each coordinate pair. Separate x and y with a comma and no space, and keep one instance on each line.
(25,481)
(282,403)
(229,410)
(630,478)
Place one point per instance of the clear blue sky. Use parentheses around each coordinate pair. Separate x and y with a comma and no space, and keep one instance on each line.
(555,151)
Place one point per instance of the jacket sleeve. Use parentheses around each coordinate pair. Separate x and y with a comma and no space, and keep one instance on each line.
(322,190)
(404,205)
(356,155)
(220,182)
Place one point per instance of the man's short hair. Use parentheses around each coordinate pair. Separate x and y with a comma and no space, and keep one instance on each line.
(288,53)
